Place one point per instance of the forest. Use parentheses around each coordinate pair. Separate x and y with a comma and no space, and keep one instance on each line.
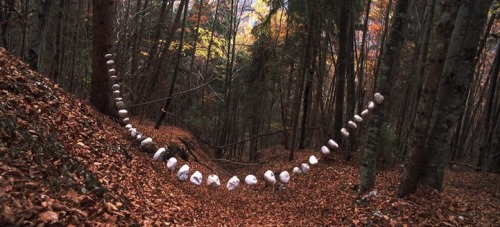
(394,104)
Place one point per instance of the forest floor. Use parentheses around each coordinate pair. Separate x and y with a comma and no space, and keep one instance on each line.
(63,162)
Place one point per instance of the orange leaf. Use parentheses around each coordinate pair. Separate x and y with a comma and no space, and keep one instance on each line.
(49,216)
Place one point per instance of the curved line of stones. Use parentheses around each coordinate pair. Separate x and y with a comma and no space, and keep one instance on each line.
(213,179)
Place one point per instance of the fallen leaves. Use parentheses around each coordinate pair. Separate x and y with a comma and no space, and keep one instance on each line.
(58,165)
(49,217)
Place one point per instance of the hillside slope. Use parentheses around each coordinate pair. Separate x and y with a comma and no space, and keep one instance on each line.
(63,162)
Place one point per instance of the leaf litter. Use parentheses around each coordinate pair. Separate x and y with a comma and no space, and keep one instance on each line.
(61,162)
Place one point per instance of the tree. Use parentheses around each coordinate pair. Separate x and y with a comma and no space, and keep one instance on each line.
(38,35)
(384,86)
(457,75)
(100,92)
(443,28)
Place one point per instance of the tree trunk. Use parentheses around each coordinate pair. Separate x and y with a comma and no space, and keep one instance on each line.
(100,91)
(37,37)
(176,69)
(447,10)
(384,86)
(456,76)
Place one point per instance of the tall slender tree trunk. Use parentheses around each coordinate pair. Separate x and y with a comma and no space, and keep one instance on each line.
(485,148)
(37,37)
(384,86)
(100,92)
(168,101)
(340,69)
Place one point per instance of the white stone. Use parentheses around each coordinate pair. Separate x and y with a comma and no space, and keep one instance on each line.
(159,153)
(128,126)
(213,180)
(304,167)
(116,93)
(147,142)
(371,105)
(351,124)
(113,78)
(344,132)
(110,62)
(122,113)
(313,160)
(108,56)
(126,120)
(196,178)
(119,104)
(183,173)
(233,183)
(139,137)
(333,144)
(171,163)
(115,87)
(296,170)
(112,72)
(358,119)
(250,179)
(133,132)
(365,112)
(325,150)
(378,98)
(118,99)
(284,177)
(269,177)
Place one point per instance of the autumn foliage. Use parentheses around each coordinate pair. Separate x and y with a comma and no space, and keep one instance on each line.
(63,162)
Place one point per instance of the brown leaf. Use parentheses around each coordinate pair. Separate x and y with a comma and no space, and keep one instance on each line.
(73,196)
(49,217)
(110,207)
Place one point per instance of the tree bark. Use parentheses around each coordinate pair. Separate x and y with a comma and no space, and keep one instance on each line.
(384,86)
(447,10)
(456,77)
(100,92)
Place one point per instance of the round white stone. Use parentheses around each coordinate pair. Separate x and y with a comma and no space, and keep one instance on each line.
(213,180)
(147,142)
(344,132)
(115,87)
(159,153)
(313,160)
(304,167)
(351,124)
(378,98)
(296,170)
(358,119)
(371,105)
(196,178)
(269,177)
(183,173)
(122,113)
(250,180)
(233,183)
(365,112)
(284,177)
(325,150)
(333,144)
(171,163)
